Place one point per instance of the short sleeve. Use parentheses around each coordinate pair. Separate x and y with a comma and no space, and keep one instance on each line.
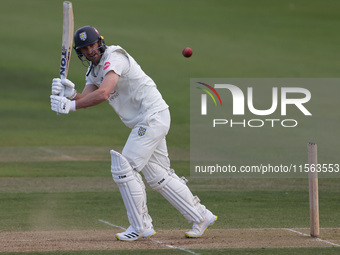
(117,62)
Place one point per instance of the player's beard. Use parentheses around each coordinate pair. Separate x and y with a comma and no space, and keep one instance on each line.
(95,58)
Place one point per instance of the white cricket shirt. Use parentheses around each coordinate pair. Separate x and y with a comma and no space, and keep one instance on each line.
(135,96)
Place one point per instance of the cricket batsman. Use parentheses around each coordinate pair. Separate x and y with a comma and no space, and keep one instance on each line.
(114,76)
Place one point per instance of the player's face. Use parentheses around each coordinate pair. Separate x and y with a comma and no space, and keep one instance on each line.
(92,53)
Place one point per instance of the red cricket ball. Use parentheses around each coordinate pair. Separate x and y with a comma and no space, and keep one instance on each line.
(187,52)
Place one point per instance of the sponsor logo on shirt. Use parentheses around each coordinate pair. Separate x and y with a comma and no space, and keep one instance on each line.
(113,95)
(106,65)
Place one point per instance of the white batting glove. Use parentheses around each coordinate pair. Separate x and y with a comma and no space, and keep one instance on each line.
(62,104)
(63,85)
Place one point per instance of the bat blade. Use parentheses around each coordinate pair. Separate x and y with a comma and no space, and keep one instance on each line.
(67,40)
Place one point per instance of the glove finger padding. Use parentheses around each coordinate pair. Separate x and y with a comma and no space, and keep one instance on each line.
(67,83)
(57,86)
(62,104)
(63,87)
(69,92)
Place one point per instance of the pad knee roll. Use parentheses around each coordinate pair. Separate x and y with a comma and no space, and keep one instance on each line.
(120,168)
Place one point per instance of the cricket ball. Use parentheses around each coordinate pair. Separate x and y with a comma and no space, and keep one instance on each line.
(187,52)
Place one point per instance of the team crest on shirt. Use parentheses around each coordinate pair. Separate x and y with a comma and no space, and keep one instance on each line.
(141,131)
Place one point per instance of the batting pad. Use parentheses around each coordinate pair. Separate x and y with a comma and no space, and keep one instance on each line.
(175,190)
(132,190)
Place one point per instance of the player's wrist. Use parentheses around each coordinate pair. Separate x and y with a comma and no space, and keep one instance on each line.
(73,94)
(73,106)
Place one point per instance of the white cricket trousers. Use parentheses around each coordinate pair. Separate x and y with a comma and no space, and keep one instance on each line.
(146,142)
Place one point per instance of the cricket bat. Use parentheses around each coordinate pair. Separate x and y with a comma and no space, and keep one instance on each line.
(67,41)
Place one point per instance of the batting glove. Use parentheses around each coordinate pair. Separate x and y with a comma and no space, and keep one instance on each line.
(60,86)
(62,104)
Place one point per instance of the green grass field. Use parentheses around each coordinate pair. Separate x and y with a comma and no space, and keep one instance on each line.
(55,170)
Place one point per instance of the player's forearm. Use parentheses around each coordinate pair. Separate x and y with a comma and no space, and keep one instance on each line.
(79,96)
(91,99)
(92,95)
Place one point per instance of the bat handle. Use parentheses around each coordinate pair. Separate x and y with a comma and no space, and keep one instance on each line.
(61,94)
